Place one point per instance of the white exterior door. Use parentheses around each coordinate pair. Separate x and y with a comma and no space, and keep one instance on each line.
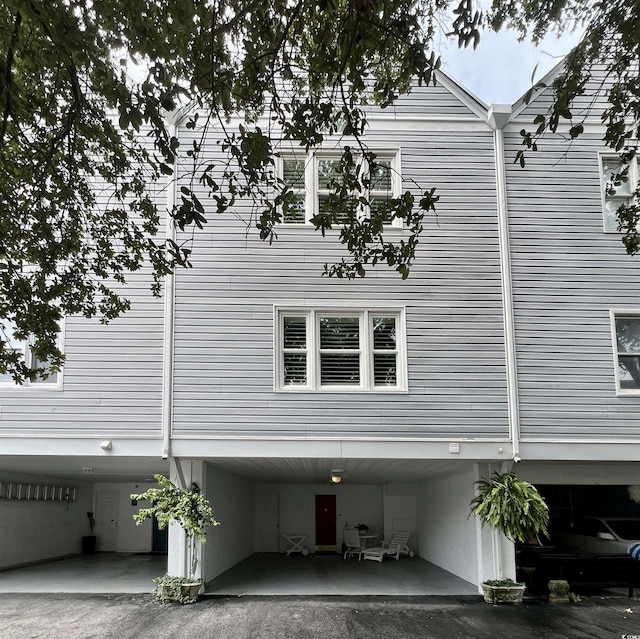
(106,516)
(267,523)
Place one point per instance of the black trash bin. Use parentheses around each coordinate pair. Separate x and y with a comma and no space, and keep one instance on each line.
(89,545)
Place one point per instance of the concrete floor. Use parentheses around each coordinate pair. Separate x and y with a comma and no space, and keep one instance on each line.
(105,572)
(273,574)
(260,574)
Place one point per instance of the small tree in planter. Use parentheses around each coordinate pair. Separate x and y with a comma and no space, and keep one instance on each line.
(191,510)
(516,509)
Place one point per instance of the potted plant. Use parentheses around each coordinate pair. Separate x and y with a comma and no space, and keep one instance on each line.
(516,509)
(191,510)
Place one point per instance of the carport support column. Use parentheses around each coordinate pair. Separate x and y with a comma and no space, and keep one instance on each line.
(496,554)
(183,473)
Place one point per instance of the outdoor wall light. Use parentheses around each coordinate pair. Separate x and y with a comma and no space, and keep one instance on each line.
(106,444)
(336,476)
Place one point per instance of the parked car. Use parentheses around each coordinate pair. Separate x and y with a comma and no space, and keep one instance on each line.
(600,535)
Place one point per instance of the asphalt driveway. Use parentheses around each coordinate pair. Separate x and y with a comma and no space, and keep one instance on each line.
(69,616)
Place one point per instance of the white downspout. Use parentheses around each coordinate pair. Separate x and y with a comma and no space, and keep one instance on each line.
(498,116)
(169,307)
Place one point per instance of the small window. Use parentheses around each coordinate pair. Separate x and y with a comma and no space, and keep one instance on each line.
(340,350)
(310,180)
(6,380)
(626,328)
(618,184)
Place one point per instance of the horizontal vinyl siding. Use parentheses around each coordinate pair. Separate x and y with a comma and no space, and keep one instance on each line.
(429,100)
(112,378)
(223,383)
(567,275)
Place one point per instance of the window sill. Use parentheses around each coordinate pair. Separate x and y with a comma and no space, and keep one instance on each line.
(30,388)
(628,393)
(349,391)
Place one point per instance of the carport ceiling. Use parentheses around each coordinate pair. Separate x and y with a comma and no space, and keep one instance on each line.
(255,470)
(104,469)
(355,471)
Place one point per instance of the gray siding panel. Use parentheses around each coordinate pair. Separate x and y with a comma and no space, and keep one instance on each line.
(224,360)
(429,100)
(112,379)
(567,275)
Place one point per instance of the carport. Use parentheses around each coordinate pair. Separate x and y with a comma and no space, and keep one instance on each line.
(257,501)
(44,516)
(261,501)
(260,574)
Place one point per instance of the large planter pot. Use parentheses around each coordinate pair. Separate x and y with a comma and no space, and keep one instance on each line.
(503,594)
(189,592)
(180,589)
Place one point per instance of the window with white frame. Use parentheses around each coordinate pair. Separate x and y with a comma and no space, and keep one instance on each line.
(340,349)
(30,359)
(616,191)
(626,328)
(309,178)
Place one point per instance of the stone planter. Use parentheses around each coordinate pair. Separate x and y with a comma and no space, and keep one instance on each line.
(503,594)
(189,592)
(180,589)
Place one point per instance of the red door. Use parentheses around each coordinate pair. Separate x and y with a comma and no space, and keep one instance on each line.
(325,523)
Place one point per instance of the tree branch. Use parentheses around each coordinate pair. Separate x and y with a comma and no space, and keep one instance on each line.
(8,68)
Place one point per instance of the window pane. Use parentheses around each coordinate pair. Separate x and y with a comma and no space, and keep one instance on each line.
(339,333)
(628,340)
(293,211)
(628,334)
(328,171)
(50,379)
(611,206)
(381,206)
(384,333)
(385,370)
(340,216)
(339,369)
(629,371)
(293,173)
(295,332)
(295,368)
(610,168)
(381,176)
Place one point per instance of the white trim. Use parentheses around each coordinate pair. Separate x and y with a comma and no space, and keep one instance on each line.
(621,392)
(507,294)
(169,317)
(364,314)
(38,385)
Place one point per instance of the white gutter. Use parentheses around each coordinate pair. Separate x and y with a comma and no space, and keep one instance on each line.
(169,307)
(498,116)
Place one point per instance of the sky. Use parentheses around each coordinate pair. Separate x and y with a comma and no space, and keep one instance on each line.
(500,69)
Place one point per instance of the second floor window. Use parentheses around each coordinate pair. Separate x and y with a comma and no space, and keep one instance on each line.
(30,359)
(310,178)
(340,350)
(626,328)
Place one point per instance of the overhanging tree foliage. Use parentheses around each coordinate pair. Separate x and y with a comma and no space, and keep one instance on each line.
(604,63)
(81,142)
